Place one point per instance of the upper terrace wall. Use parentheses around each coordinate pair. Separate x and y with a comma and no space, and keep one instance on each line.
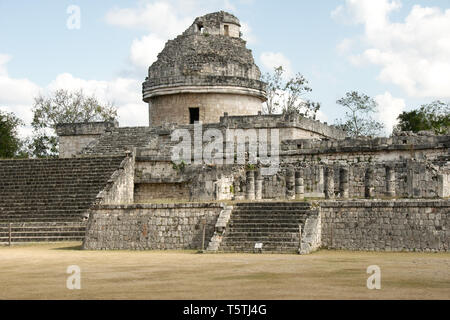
(418,165)
(73,137)
(290,127)
(400,147)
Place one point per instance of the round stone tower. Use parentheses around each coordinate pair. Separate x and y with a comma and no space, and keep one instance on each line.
(203,73)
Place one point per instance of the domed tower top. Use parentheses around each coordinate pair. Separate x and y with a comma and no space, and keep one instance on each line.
(218,23)
(203,73)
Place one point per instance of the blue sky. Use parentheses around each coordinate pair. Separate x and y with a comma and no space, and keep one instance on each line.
(395,51)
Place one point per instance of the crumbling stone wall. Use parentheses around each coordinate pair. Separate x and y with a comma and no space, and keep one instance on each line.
(73,137)
(351,151)
(120,186)
(147,192)
(406,225)
(151,226)
(444,184)
(290,127)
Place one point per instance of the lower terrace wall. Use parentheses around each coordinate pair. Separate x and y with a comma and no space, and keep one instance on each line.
(405,225)
(147,192)
(151,226)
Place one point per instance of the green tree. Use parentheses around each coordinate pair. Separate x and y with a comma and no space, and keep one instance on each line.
(434,116)
(287,97)
(358,120)
(63,106)
(10,143)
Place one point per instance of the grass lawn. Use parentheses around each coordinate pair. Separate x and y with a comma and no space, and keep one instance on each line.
(38,271)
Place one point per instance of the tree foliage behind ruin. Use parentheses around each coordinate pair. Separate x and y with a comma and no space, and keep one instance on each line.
(288,96)
(434,116)
(10,143)
(359,111)
(63,106)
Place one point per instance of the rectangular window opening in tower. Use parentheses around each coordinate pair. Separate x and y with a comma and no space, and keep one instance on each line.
(194,115)
(226,29)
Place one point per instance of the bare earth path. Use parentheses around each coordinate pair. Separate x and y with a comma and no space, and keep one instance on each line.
(39,272)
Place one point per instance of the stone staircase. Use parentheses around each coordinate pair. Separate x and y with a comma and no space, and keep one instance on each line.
(275,225)
(118,140)
(43,231)
(47,199)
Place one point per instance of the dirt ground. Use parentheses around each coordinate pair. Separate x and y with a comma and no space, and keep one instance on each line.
(38,271)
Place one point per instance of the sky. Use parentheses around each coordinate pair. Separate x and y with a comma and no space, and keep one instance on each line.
(395,51)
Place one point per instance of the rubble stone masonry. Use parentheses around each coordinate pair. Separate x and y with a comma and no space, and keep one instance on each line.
(402,225)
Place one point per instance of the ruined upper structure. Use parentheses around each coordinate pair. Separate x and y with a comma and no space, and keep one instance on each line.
(203,73)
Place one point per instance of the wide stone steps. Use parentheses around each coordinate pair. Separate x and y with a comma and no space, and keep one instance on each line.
(268,247)
(45,199)
(42,231)
(259,221)
(262,237)
(274,224)
(13,219)
(44,239)
(262,231)
(250,213)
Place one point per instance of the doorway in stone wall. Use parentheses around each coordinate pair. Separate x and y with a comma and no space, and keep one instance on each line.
(194,115)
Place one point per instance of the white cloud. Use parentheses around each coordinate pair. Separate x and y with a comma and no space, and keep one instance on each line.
(247,33)
(163,20)
(159,18)
(125,93)
(4,59)
(144,51)
(388,110)
(272,60)
(228,6)
(345,46)
(17,95)
(372,13)
(320,115)
(412,54)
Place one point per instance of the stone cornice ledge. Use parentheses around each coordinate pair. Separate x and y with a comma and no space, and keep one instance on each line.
(158,206)
(398,203)
(168,90)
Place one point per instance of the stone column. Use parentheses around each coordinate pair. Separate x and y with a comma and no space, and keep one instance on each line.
(343,182)
(320,185)
(329,183)
(290,184)
(250,192)
(259,185)
(369,188)
(299,186)
(390,181)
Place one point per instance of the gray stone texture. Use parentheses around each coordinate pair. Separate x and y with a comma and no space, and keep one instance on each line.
(151,226)
(401,225)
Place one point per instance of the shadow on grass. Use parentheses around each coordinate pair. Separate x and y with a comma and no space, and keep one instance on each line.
(71,248)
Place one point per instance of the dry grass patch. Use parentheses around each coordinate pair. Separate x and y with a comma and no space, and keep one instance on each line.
(39,272)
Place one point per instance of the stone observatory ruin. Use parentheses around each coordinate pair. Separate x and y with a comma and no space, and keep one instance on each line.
(203,72)
(211,172)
